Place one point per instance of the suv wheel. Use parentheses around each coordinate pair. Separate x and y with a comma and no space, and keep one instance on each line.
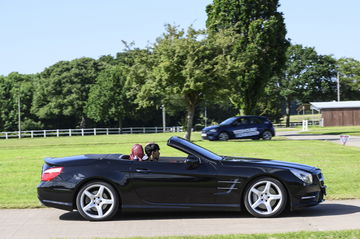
(266,135)
(223,136)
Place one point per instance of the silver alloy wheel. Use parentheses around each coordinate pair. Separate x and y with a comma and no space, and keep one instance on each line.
(267,135)
(97,201)
(265,198)
(223,136)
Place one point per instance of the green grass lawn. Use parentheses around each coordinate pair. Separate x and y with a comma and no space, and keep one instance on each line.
(335,130)
(349,234)
(21,159)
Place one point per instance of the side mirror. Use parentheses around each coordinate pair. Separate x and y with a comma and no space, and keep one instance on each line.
(192,162)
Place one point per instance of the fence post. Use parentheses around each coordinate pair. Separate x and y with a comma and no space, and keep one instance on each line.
(131,131)
(6,135)
(94,131)
(82,132)
(19,134)
(44,133)
(144,130)
(57,133)
(70,132)
(32,133)
(155,129)
(107,131)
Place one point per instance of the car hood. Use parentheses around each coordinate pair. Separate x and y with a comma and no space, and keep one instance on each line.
(266,163)
(211,127)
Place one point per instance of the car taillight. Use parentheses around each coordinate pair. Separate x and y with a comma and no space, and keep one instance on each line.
(51,173)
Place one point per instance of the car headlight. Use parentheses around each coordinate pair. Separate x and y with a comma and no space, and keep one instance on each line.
(213,130)
(303,176)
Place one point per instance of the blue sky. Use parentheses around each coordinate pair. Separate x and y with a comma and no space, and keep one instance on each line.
(37,34)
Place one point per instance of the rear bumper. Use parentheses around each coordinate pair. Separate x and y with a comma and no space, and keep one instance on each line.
(60,198)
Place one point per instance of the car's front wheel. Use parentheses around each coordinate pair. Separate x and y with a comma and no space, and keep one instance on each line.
(97,201)
(265,197)
(223,136)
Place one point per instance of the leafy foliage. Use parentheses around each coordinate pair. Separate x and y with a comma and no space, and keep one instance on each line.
(259,51)
(107,99)
(185,67)
(307,77)
(62,91)
(14,88)
(349,70)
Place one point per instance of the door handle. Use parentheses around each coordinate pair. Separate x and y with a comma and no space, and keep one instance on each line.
(140,170)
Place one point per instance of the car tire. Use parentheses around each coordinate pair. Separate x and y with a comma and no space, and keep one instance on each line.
(223,136)
(265,197)
(266,135)
(97,201)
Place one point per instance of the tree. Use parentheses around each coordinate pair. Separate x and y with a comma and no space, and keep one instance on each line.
(349,71)
(307,77)
(107,99)
(184,66)
(62,92)
(259,52)
(14,89)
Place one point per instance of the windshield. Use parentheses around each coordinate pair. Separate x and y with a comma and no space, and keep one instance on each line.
(228,121)
(201,150)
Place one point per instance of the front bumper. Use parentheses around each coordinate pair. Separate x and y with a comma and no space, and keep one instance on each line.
(209,135)
(310,195)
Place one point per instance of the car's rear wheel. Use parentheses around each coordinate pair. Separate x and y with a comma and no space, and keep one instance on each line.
(265,197)
(223,136)
(267,135)
(97,201)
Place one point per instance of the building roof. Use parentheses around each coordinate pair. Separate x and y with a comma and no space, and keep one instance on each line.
(335,105)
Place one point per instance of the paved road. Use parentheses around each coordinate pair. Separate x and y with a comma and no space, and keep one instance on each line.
(53,223)
(294,135)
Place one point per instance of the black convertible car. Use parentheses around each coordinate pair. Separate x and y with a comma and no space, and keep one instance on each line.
(98,185)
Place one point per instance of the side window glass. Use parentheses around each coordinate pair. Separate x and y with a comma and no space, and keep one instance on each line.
(243,121)
(256,121)
(236,122)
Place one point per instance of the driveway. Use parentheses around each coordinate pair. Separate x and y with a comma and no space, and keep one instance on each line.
(294,135)
(53,223)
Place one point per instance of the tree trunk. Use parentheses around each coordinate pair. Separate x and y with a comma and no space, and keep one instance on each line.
(82,122)
(288,105)
(190,119)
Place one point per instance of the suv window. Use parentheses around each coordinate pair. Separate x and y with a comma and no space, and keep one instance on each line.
(241,121)
(255,121)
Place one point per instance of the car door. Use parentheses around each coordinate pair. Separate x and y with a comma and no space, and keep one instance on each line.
(245,127)
(173,182)
(255,126)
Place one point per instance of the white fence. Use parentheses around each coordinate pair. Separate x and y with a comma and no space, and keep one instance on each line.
(85,132)
(295,124)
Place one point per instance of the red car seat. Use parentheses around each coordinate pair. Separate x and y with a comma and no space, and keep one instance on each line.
(137,152)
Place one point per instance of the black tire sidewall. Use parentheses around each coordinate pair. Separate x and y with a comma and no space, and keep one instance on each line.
(282,189)
(116,201)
